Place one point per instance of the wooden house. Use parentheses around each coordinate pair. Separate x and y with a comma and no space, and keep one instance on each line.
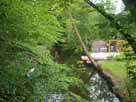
(102,50)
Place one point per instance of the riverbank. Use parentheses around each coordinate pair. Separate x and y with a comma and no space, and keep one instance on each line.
(98,85)
(117,72)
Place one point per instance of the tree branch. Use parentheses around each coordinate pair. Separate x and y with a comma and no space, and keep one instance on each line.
(109,17)
(128,37)
(129,2)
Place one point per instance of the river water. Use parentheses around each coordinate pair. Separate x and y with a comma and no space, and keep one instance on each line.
(99,91)
(97,88)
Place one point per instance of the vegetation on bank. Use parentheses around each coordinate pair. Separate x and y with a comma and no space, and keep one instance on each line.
(117,68)
(117,71)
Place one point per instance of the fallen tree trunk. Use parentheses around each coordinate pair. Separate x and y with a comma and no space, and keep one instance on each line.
(81,41)
(97,67)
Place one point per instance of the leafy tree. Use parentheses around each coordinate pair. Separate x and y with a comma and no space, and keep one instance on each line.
(125,23)
(28,30)
(91,25)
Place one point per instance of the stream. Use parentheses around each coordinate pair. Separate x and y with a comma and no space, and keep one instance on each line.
(99,91)
(97,88)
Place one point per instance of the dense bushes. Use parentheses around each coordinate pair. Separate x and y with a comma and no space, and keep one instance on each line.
(20,84)
(27,72)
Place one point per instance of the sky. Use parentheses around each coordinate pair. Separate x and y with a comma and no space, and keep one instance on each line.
(118,5)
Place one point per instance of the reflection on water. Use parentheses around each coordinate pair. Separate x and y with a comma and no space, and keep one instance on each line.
(99,91)
(55,98)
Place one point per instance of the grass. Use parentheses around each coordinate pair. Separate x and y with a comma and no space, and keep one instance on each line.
(118,70)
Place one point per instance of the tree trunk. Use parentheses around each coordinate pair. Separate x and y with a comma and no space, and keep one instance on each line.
(95,64)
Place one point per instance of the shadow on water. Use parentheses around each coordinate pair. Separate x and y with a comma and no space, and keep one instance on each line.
(97,89)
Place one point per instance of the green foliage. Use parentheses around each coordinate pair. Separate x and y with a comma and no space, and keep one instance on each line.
(48,77)
(91,26)
(27,21)
(28,30)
